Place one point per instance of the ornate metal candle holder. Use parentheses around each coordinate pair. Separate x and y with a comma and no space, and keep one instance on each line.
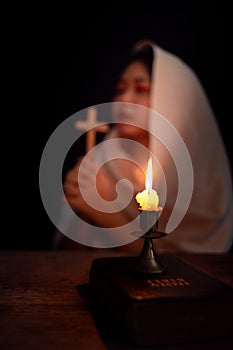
(148,263)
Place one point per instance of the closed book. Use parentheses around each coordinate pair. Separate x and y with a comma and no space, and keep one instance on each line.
(182,305)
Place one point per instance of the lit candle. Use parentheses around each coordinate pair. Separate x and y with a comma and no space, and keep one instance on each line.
(148,203)
(148,199)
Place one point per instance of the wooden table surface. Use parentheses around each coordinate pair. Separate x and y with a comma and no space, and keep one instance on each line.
(40,307)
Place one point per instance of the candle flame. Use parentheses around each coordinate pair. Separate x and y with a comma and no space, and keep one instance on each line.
(149,176)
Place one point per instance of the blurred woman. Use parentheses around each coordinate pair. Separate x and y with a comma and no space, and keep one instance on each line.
(161,110)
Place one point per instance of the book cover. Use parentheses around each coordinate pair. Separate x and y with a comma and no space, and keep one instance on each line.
(180,306)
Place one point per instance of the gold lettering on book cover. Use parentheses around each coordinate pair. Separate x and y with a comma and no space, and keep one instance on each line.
(167,282)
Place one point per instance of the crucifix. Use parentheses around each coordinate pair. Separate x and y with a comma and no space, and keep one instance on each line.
(92,126)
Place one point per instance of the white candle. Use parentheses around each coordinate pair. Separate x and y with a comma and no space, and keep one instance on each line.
(148,199)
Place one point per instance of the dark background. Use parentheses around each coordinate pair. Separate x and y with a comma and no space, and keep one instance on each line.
(59,60)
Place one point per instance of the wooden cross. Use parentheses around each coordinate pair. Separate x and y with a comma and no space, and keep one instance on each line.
(93,126)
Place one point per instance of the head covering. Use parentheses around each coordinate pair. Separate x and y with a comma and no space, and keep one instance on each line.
(186,142)
(192,171)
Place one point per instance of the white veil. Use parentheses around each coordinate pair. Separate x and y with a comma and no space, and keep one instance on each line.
(178,96)
(187,144)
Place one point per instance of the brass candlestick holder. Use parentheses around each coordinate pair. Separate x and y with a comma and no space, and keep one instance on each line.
(148,263)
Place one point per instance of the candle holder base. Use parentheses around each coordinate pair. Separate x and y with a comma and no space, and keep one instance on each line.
(148,263)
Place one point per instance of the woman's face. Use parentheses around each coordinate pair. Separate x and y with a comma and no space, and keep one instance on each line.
(133,89)
(134,85)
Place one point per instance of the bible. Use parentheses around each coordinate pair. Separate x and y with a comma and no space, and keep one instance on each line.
(182,305)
